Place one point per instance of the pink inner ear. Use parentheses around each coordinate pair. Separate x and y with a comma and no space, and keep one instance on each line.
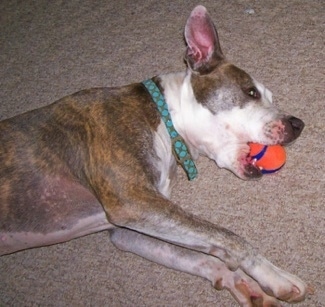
(200,34)
(204,43)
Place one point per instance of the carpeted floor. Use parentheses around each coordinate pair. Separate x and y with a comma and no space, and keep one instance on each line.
(49,49)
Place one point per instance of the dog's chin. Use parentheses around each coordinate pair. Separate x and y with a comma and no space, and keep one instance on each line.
(241,164)
(249,172)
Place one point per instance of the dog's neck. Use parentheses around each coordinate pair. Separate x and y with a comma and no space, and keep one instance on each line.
(179,147)
(184,109)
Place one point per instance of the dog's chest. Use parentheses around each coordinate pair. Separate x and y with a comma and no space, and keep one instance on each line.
(165,161)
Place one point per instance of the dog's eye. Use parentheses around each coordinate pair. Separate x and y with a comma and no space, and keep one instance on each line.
(253,92)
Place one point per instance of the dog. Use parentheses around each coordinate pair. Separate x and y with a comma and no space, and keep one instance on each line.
(105,159)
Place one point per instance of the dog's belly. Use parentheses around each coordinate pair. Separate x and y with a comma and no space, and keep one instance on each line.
(58,209)
(15,241)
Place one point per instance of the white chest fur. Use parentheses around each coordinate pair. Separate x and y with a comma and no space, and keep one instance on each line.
(165,163)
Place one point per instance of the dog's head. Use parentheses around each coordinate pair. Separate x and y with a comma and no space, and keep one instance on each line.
(224,108)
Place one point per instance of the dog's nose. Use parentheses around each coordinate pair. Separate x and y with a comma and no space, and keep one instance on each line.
(292,130)
(297,125)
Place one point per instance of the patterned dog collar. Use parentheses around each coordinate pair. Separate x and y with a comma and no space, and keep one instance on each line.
(180,149)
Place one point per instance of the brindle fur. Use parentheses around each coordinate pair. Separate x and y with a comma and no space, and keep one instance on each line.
(83,139)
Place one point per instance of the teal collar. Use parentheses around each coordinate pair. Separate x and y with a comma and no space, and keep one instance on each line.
(180,149)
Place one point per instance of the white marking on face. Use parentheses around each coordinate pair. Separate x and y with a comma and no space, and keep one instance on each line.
(266,94)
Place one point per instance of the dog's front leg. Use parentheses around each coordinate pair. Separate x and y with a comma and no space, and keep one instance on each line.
(149,213)
(244,289)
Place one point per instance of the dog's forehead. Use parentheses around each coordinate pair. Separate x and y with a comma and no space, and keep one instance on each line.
(223,88)
(234,74)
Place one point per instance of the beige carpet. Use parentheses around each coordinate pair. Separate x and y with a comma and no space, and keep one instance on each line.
(52,48)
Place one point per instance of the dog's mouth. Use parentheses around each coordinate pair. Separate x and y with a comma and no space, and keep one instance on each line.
(251,170)
(246,167)
(292,128)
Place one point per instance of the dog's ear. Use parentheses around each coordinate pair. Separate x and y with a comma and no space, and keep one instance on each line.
(203,52)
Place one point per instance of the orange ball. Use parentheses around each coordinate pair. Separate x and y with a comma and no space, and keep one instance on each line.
(269,159)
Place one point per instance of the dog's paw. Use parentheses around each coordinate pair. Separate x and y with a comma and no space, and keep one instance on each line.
(276,282)
(245,290)
(289,288)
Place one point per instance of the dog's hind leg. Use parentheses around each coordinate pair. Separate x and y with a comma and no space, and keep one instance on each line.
(244,289)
